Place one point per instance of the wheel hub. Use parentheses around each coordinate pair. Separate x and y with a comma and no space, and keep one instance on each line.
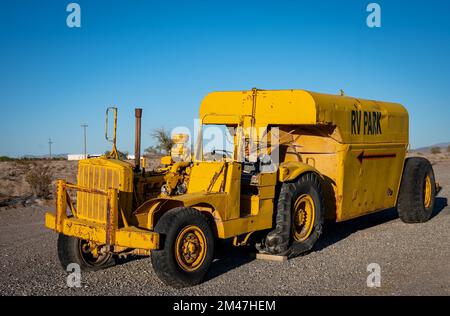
(427,192)
(90,253)
(303,219)
(190,248)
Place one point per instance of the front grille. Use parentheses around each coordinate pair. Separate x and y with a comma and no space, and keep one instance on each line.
(92,206)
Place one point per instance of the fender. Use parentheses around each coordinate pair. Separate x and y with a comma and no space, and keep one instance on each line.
(150,211)
(291,170)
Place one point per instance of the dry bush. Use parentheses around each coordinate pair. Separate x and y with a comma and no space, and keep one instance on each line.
(40,179)
(6,158)
(435,150)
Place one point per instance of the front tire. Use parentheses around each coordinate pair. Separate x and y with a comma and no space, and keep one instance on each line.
(417,191)
(187,250)
(299,217)
(75,250)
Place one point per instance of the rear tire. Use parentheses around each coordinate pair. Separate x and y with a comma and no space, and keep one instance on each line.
(417,191)
(290,237)
(70,250)
(187,248)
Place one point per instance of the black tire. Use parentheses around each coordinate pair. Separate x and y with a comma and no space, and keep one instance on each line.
(280,241)
(70,251)
(165,263)
(411,204)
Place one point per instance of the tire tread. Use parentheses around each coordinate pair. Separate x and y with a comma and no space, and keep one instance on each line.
(410,200)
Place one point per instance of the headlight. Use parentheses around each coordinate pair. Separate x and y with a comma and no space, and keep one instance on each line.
(181,188)
(165,190)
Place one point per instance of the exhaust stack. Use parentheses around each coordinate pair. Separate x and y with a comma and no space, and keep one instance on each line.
(137,140)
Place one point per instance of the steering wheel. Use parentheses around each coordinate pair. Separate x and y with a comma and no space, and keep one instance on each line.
(226,153)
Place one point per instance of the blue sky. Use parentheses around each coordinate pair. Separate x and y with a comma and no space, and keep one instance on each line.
(165,56)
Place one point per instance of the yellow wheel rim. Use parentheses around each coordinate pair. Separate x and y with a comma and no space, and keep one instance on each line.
(303,219)
(427,192)
(190,248)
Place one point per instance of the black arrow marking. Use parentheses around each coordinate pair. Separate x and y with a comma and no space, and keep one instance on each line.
(361,156)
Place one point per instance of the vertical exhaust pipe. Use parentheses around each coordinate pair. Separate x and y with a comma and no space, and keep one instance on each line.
(137,140)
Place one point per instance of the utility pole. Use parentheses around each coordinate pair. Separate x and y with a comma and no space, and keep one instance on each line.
(84,126)
(50,148)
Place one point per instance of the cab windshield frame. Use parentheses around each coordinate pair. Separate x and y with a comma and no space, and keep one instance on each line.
(221,120)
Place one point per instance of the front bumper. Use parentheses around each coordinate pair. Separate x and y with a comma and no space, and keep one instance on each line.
(128,237)
(108,233)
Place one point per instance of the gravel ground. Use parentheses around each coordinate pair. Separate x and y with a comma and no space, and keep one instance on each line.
(414,260)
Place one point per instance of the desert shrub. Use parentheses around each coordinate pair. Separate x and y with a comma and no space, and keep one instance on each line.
(6,158)
(39,178)
(448,148)
(435,150)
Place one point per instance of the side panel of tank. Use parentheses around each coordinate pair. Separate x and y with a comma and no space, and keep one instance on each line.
(369,178)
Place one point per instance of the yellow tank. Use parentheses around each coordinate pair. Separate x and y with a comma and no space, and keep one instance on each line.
(350,141)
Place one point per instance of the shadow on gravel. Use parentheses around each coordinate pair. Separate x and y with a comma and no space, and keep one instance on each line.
(131,258)
(439,204)
(335,232)
(229,258)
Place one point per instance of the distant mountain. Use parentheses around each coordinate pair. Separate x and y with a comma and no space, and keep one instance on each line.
(427,149)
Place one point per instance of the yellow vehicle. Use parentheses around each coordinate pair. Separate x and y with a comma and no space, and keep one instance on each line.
(293,159)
